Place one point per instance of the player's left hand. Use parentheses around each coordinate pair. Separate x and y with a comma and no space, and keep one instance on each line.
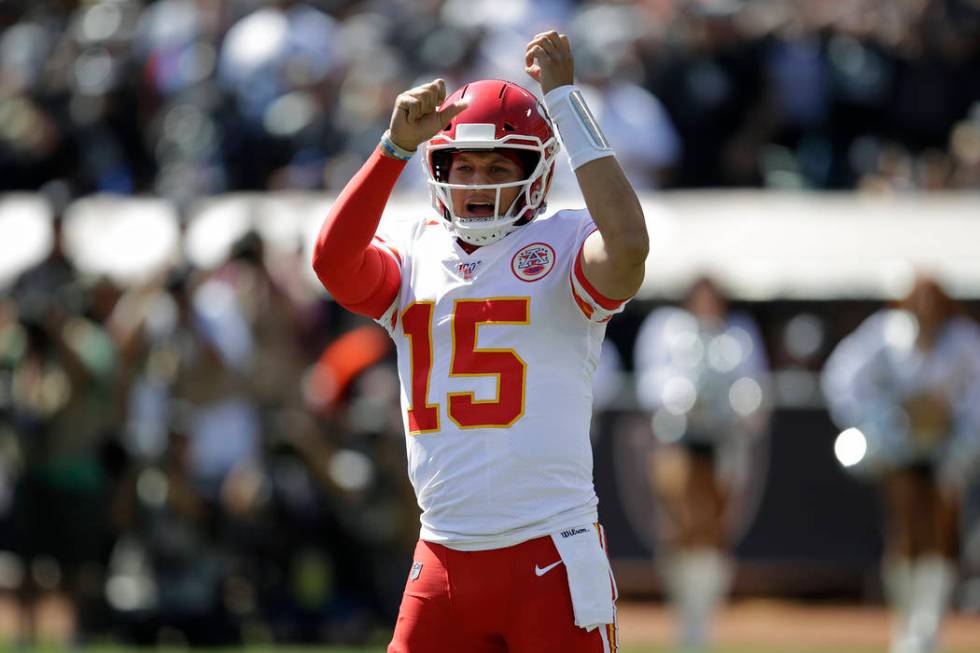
(548,59)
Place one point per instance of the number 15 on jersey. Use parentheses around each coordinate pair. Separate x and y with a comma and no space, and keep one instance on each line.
(505,365)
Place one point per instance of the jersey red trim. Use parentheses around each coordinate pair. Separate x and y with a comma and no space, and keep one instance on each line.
(391,248)
(583,305)
(364,276)
(606,302)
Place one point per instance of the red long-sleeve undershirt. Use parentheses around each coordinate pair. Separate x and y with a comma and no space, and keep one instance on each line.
(357,273)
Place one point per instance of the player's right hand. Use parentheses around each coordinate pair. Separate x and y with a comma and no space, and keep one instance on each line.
(418,114)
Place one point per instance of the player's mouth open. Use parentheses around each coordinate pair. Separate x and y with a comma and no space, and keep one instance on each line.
(479,209)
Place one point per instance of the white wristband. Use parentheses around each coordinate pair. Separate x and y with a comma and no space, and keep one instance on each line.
(394,149)
(577,127)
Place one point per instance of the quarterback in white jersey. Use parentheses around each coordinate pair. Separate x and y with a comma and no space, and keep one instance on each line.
(498,315)
(496,350)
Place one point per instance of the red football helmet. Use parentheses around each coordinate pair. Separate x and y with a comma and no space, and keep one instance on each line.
(500,114)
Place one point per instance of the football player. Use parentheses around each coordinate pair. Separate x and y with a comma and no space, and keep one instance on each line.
(909,380)
(498,314)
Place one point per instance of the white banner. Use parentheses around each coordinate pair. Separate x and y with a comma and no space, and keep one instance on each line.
(758,244)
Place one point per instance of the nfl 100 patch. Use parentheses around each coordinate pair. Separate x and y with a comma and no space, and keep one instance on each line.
(466,270)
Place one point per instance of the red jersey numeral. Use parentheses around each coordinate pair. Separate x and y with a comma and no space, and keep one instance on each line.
(468,360)
(417,325)
(468,315)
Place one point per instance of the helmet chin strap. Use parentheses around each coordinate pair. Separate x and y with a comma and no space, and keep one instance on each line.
(542,207)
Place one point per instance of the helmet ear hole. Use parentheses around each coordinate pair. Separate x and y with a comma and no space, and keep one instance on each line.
(529,161)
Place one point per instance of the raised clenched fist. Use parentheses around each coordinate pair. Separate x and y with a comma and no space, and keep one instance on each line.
(419,114)
(548,59)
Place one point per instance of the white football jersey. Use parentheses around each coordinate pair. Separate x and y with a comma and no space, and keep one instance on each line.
(496,351)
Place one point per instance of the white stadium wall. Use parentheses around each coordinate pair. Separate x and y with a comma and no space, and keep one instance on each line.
(761,245)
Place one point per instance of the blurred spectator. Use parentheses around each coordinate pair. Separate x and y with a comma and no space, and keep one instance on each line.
(354,387)
(54,280)
(167,569)
(610,73)
(711,80)
(276,323)
(280,64)
(175,51)
(906,387)
(701,372)
(211,349)
(60,366)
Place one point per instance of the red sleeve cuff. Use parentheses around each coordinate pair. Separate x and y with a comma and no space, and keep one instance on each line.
(605,302)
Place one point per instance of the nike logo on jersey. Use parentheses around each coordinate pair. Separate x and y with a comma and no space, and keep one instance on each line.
(541,571)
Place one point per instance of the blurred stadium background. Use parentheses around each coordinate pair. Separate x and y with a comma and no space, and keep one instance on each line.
(810,155)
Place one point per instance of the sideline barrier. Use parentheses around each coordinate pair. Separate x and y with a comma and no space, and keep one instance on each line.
(762,245)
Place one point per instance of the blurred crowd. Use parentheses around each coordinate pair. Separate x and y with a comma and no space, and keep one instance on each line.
(203,459)
(216,455)
(184,98)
